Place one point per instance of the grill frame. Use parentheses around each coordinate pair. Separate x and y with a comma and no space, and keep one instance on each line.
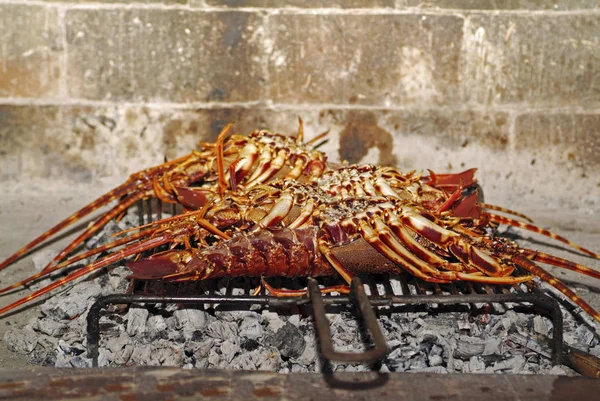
(422,293)
(544,303)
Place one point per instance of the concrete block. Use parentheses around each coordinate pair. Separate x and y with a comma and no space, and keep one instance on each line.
(537,60)
(382,60)
(82,144)
(298,3)
(500,5)
(164,55)
(30,51)
(571,140)
(167,2)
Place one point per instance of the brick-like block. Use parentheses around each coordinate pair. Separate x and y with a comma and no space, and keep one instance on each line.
(537,60)
(85,143)
(500,5)
(30,51)
(364,59)
(299,3)
(167,2)
(571,140)
(164,55)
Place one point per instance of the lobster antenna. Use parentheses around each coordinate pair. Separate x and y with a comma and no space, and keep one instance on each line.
(505,210)
(220,158)
(535,269)
(130,250)
(318,137)
(560,262)
(77,258)
(530,227)
(300,135)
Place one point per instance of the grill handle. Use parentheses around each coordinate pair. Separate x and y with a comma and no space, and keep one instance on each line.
(360,299)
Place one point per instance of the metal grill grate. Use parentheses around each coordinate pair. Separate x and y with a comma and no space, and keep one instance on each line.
(377,291)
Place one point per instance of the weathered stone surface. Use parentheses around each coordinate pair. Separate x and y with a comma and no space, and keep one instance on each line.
(83,143)
(549,60)
(164,55)
(121,2)
(570,139)
(298,3)
(30,51)
(363,59)
(500,5)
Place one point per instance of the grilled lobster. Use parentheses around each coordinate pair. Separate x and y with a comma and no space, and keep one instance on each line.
(293,229)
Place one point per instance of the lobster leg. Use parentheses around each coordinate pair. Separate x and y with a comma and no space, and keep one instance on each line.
(380,240)
(279,292)
(515,223)
(500,274)
(274,166)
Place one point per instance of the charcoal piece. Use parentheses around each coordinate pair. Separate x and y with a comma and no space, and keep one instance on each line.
(512,365)
(45,351)
(117,279)
(155,324)
(250,327)
(475,365)
(116,344)
(158,353)
(222,330)
(191,320)
(288,340)
(104,357)
(50,327)
(492,346)
(274,322)
(267,359)
(23,341)
(76,302)
(309,355)
(435,360)
(42,257)
(259,359)
(558,371)
(136,320)
(249,344)
(295,320)
(431,337)
(229,349)
(586,336)
(236,315)
(70,349)
(467,347)
(74,362)
(299,369)
(200,351)
(540,326)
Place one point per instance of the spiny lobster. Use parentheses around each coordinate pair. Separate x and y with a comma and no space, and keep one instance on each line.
(268,205)
(251,160)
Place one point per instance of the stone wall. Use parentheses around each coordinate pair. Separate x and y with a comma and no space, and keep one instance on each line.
(96,89)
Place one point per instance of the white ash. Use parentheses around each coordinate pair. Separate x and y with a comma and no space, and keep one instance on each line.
(432,339)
